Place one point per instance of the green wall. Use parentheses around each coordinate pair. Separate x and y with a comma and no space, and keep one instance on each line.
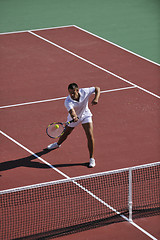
(133,24)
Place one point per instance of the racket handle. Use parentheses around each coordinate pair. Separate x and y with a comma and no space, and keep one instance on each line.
(71,121)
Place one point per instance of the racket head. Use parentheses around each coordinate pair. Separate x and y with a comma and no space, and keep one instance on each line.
(55,130)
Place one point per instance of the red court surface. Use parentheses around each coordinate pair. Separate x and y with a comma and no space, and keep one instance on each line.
(38,66)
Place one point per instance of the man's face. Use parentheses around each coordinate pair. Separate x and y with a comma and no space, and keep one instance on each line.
(74,93)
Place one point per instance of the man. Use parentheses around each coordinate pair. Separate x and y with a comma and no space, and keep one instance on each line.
(77,106)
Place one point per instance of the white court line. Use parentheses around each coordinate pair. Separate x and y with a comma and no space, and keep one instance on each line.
(118,89)
(29,103)
(40,29)
(55,99)
(50,28)
(142,230)
(84,189)
(93,64)
(117,45)
(32,153)
(104,91)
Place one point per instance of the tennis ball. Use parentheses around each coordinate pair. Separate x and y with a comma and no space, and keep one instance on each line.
(56,126)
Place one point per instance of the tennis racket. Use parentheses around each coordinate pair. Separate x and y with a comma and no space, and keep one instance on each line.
(56,129)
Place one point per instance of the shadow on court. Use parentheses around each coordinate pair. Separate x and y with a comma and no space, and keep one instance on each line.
(29,162)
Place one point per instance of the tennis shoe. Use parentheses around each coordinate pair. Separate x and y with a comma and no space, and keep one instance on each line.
(92,163)
(53,146)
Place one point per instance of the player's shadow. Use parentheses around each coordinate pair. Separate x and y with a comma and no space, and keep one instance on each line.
(29,162)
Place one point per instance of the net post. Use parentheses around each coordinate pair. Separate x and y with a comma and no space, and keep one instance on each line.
(130,195)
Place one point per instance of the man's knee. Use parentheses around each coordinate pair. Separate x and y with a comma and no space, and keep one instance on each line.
(68,131)
(88,127)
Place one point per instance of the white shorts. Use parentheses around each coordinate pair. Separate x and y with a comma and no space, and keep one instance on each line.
(82,121)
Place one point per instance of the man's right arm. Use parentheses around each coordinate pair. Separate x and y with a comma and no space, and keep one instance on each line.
(73,114)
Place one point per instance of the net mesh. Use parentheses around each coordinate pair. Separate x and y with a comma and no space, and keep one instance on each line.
(62,207)
(145,191)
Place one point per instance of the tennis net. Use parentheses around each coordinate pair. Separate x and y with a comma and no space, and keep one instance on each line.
(65,206)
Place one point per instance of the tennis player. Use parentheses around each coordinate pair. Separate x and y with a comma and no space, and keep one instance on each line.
(77,106)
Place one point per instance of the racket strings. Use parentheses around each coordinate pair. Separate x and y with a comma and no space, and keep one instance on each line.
(55,130)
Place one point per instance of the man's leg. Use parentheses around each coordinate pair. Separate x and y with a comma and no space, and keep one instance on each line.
(67,132)
(88,127)
(55,145)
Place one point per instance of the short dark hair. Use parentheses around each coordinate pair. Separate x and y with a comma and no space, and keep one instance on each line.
(72,86)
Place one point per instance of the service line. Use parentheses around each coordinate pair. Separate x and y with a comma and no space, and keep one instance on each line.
(60,98)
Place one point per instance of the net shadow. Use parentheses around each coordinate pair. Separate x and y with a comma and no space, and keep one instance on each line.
(94,224)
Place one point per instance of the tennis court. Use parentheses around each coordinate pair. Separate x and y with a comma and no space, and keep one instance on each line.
(36,68)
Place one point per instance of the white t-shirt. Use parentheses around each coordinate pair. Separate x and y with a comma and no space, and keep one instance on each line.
(81,106)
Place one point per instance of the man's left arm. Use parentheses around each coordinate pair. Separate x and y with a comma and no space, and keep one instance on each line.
(97,95)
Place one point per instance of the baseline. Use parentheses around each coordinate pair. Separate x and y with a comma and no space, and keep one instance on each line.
(40,29)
